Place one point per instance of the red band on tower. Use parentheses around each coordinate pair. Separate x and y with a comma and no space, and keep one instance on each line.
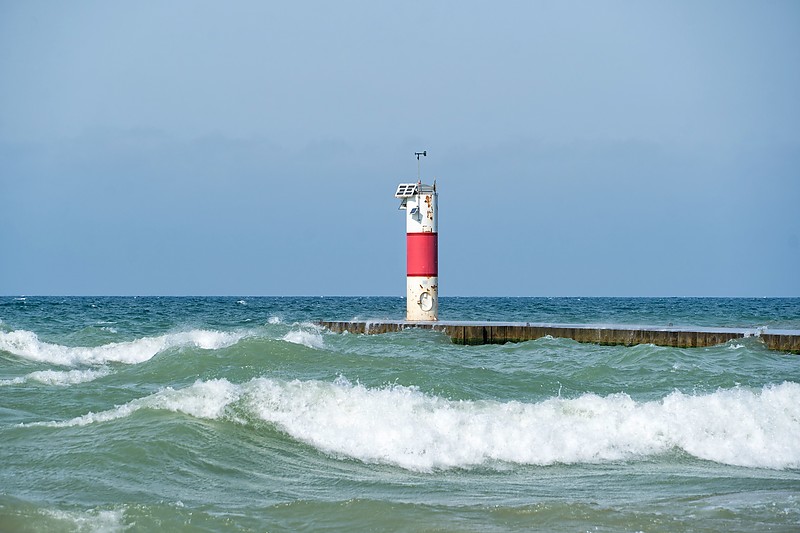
(422,254)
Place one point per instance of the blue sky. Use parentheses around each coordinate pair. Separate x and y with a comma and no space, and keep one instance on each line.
(253,148)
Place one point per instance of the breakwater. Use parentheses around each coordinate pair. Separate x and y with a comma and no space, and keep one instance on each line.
(474,333)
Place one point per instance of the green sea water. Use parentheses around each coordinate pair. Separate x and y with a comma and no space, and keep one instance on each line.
(238,414)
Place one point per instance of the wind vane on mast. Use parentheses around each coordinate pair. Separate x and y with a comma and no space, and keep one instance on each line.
(423,153)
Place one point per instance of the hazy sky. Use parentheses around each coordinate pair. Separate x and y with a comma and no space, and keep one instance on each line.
(253,148)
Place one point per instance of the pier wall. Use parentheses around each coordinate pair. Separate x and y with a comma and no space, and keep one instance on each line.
(474,333)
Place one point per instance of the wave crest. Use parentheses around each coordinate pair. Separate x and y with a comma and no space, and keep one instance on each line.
(59,378)
(402,426)
(308,335)
(27,345)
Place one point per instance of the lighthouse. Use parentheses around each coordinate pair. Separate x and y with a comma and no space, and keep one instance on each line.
(420,202)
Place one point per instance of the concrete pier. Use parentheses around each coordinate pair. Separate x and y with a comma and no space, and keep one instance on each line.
(502,332)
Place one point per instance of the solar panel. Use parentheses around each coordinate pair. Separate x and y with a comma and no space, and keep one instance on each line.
(406,190)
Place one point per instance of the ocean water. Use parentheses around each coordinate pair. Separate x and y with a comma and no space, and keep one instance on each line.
(238,414)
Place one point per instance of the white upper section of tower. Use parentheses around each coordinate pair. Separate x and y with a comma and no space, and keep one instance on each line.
(420,202)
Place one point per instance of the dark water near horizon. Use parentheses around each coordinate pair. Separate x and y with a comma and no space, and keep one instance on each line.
(238,414)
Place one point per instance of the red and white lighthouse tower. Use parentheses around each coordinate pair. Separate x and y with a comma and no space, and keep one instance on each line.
(420,201)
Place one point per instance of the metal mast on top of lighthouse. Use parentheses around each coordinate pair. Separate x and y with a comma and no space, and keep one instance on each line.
(420,201)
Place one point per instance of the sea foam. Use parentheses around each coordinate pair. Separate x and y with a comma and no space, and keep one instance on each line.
(402,426)
(405,427)
(26,344)
(204,399)
(308,335)
(60,378)
(94,521)
(306,338)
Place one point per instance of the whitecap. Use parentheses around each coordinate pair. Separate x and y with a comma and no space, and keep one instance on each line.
(93,520)
(311,339)
(26,344)
(203,399)
(61,378)
(402,426)
(308,334)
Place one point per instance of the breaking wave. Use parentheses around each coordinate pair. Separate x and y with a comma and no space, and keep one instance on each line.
(204,399)
(405,427)
(308,335)
(61,378)
(94,520)
(27,345)
(306,338)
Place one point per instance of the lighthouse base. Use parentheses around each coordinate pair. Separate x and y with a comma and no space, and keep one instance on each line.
(422,298)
